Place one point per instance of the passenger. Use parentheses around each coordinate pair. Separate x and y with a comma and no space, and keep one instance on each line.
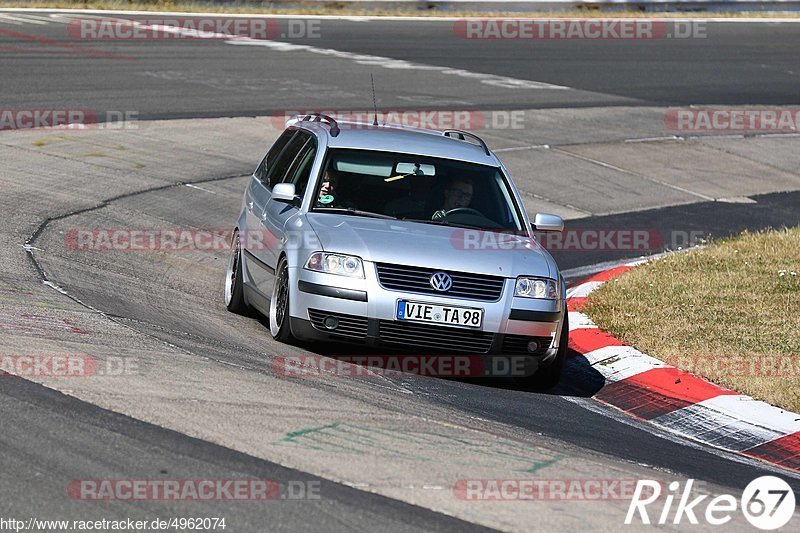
(330,193)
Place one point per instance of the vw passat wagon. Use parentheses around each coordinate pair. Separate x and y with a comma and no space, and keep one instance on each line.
(397,237)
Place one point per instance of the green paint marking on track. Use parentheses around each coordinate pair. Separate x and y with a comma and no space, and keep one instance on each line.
(307,431)
(538,465)
(341,437)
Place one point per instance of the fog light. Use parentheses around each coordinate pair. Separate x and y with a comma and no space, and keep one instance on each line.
(330,322)
(533,346)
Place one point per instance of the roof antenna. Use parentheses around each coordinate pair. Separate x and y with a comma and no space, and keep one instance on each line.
(374,103)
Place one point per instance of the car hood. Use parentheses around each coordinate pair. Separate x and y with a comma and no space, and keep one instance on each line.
(429,245)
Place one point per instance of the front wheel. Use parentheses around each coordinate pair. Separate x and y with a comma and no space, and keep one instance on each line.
(234,283)
(279,304)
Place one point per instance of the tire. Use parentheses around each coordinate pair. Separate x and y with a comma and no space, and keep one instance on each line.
(279,321)
(549,376)
(234,283)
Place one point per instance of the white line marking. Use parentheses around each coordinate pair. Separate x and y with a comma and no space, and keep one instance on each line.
(46,20)
(632,173)
(737,200)
(583,290)
(387,62)
(66,18)
(199,188)
(520,148)
(644,260)
(9,20)
(607,353)
(55,287)
(628,362)
(362,59)
(653,139)
(24,19)
(580,321)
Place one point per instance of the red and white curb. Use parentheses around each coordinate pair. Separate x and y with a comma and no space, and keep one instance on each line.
(673,399)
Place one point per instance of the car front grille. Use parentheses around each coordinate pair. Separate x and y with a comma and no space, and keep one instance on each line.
(439,338)
(417,279)
(518,344)
(349,325)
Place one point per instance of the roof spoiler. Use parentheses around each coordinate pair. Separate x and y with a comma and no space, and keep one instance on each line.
(317,117)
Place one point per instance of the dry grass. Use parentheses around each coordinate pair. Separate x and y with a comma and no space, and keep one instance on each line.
(340,8)
(729,313)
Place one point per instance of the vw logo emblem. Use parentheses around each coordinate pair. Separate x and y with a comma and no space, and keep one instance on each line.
(441,281)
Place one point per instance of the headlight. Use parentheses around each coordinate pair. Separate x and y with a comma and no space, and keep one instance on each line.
(343,265)
(536,288)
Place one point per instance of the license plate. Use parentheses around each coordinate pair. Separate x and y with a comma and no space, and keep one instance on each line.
(439,314)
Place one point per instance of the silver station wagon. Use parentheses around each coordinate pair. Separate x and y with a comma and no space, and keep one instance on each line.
(397,238)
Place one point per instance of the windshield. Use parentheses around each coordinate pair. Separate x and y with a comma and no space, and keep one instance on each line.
(416,188)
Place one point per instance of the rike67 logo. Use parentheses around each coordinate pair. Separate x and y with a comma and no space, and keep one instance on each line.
(767,503)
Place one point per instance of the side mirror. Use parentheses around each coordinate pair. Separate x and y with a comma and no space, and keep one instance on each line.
(283,192)
(547,222)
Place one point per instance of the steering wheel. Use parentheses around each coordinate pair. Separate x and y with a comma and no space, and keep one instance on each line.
(458,210)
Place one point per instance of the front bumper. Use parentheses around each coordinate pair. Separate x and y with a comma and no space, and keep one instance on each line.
(365,313)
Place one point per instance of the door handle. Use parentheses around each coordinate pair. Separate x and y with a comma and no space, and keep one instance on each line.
(250,205)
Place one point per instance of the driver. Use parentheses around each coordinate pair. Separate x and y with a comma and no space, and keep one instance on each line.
(458,193)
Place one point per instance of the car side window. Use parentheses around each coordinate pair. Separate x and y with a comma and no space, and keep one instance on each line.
(279,170)
(268,162)
(301,170)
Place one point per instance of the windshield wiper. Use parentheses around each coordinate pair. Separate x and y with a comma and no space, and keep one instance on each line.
(439,222)
(356,212)
(443,222)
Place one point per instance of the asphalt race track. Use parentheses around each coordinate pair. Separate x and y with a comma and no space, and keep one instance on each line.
(735,63)
(199,397)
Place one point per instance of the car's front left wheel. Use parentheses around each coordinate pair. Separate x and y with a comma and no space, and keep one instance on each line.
(279,304)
